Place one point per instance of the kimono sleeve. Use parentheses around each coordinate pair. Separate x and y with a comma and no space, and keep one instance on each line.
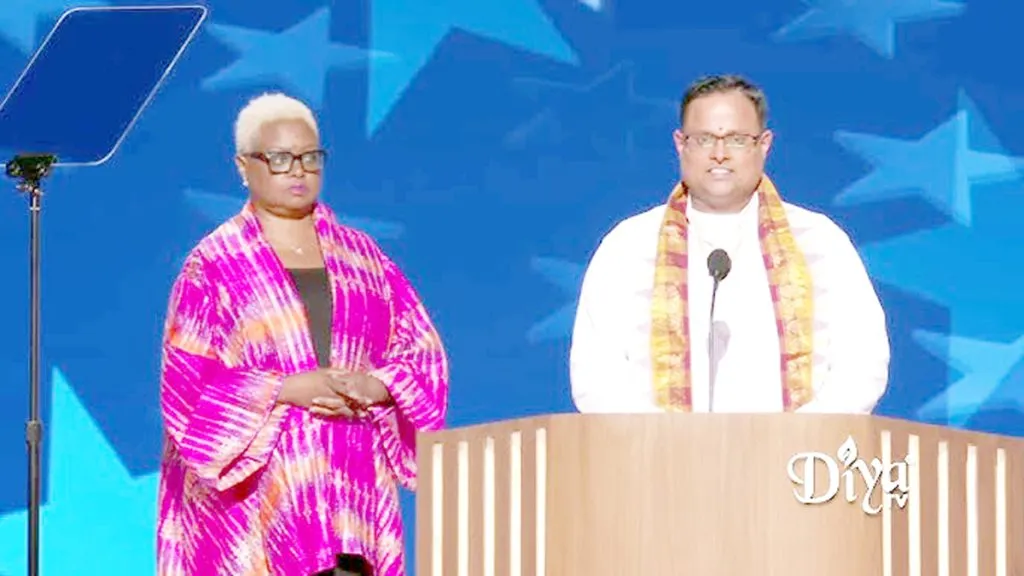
(219,418)
(415,372)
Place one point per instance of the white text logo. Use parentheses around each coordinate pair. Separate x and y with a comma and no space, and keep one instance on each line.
(890,478)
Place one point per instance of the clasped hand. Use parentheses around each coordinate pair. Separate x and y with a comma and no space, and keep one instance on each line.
(331,392)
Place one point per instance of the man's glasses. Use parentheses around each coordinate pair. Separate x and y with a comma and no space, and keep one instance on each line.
(283,162)
(732,141)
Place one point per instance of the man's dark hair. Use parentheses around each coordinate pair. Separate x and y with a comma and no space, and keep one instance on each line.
(726,83)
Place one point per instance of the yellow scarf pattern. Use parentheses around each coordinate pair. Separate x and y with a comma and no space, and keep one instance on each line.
(791,290)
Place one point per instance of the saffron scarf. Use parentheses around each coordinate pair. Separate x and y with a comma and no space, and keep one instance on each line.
(791,291)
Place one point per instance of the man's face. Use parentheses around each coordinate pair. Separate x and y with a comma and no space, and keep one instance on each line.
(722,150)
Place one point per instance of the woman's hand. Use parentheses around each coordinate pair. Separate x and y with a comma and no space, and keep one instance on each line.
(363,388)
(321,393)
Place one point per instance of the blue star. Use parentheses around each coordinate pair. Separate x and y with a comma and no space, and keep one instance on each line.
(971,270)
(954,265)
(612,97)
(873,22)
(217,208)
(567,276)
(300,57)
(941,166)
(20,19)
(413,30)
(91,499)
(993,377)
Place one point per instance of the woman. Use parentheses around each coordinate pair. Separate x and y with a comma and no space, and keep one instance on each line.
(298,365)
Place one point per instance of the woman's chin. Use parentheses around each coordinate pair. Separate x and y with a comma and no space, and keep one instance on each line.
(291,207)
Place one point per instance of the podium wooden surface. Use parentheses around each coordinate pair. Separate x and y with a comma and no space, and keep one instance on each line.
(711,495)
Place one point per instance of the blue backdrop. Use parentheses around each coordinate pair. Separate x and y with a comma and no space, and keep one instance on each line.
(489,145)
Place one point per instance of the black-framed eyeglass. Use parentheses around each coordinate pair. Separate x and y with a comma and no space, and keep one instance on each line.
(282,162)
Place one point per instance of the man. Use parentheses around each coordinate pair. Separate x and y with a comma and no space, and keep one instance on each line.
(797,324)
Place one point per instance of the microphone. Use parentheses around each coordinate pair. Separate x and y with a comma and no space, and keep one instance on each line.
(719,266)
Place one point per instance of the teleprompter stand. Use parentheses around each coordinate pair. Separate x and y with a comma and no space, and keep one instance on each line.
(67,117)
(30,169)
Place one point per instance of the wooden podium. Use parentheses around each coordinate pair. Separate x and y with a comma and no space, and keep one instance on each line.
(717,495)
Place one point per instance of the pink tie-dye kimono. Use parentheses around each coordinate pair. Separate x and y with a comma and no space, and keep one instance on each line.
(249,486)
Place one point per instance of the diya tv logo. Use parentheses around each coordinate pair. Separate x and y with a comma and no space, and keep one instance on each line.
(859,478)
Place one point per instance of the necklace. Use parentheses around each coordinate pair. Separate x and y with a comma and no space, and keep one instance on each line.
(287,247)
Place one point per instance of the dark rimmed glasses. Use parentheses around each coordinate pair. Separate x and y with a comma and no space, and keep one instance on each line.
(282,162)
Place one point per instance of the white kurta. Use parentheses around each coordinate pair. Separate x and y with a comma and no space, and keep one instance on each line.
(610,357)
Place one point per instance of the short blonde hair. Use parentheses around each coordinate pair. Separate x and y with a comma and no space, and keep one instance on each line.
(265,109)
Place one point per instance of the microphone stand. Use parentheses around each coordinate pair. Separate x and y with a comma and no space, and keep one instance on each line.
(719,266)
(712,364)
(29,170)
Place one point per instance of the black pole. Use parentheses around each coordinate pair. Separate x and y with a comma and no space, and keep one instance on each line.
(30,169)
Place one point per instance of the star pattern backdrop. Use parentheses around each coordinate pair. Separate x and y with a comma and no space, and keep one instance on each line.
(488,145)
